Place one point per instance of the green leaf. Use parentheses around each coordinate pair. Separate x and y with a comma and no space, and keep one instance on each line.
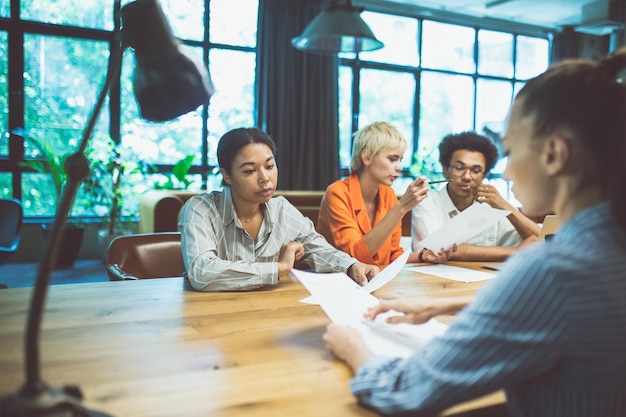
(182,167)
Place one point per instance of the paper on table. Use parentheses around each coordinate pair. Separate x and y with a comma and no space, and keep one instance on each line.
(345,302)
(454,272)
(463,226)
(382,278)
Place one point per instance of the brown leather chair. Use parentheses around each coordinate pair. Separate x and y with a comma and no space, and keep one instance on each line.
(149,255)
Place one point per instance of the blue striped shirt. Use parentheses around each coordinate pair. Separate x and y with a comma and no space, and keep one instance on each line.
(219,255)
(550,330)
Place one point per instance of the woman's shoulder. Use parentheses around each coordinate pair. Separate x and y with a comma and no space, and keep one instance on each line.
(207,197)
(210,200)
(281,210)
(341,186)
(546,263)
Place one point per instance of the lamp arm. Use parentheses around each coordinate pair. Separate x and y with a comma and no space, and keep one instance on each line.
(77,167)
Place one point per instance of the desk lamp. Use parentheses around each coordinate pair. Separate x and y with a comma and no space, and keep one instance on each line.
(167,83)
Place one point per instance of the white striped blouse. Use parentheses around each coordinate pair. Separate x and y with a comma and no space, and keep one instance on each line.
(550,330)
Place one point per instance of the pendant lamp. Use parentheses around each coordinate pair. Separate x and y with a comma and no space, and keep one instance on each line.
(339,28)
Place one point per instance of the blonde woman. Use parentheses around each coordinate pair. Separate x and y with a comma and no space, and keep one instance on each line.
(361,214)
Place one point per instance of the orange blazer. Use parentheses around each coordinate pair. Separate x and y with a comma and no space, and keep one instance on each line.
(343,221)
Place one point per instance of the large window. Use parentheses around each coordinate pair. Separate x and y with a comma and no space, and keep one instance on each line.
(59,61)
(432,79)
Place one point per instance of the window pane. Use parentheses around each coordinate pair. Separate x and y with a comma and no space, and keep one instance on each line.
(214,180)
(495,53)
(38,195)
(62,78)
(4,97)
(446,106)
(532,57)
(5,8)
(345,116)
(448,47)
(518,86)
(6,187)
(96,14)
(389,96)
(398,33)
(233,22)
(164,143)
(493,99)
(185,18)
(232,105)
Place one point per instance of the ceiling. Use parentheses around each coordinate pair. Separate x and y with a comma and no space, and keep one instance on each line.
(543,13)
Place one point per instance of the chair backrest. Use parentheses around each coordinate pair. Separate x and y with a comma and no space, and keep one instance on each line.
(11,216)
(551,224)
(149,255)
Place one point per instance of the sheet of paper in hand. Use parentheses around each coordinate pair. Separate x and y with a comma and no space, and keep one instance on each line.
(463,226)
(382,278)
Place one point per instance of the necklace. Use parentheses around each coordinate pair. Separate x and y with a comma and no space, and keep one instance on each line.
(250,218)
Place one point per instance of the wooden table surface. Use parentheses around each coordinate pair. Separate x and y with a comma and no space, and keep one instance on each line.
(157,348)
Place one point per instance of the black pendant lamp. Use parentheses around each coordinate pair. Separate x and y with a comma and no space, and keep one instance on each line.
(337,29)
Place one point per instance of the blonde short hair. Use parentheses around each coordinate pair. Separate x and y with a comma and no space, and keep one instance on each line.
(372,139)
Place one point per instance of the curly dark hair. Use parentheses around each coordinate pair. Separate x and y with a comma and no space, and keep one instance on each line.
(470,141)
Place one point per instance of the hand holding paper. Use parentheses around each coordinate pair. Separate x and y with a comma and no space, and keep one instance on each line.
(383,277)
(345,303)
(463,226)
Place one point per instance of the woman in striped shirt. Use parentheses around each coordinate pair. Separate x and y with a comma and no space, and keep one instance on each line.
(240,238)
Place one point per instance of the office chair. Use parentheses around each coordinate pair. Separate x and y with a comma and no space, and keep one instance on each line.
(148,255)
(551,224)
(11,215)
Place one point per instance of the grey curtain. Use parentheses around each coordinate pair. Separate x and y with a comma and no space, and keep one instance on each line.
(297,97)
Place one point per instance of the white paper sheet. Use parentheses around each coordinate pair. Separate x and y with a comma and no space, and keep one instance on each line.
(345,302)
(382,278)
(463,226)
(390,272)
(454,272)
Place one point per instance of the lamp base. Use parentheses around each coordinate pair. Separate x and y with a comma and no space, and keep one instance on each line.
(47,402)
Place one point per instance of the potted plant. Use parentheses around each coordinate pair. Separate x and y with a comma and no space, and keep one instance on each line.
(46,159)
(108,187)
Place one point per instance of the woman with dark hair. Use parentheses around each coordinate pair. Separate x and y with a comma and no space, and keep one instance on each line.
(466,159)
(241,238)
(550,329)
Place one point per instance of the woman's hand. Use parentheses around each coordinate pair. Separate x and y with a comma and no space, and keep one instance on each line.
(290,253)
(415,193)
(361,273)
(347,344)
(417,310)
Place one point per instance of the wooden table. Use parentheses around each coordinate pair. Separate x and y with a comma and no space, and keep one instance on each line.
(156,348)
